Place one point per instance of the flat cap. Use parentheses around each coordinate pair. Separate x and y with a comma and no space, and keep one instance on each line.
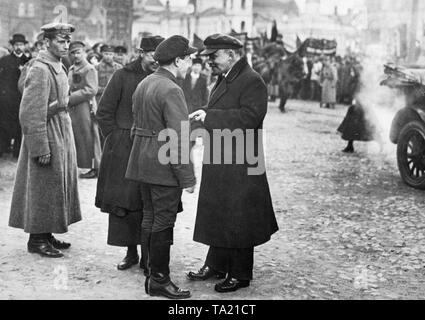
(74,45)
(120,49)
(220,41)
(107,48)
(58,28)
(173,47)
(150,43)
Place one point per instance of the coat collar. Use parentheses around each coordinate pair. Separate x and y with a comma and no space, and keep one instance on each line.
(165,73)
(221,87)
(135,66)
(81,66)
(48,58)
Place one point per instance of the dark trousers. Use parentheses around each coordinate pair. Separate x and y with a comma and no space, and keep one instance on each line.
(160,206)
(238,263)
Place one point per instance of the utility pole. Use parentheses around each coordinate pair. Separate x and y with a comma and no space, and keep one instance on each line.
(413,31)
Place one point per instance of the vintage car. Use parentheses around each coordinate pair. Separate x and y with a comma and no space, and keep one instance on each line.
(408,126)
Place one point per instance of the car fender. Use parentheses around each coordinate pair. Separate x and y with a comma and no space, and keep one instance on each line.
(404,116)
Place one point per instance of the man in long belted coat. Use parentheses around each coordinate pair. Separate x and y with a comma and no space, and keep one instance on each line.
(159,110)
(83,84)
(45,196)
(235,212)
(10,96)
(119,197)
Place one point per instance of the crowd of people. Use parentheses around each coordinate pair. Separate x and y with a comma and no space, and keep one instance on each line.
(96,110)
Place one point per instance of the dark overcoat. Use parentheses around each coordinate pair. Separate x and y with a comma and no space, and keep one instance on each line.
(45,199)
(235,207)
(115,118)
(357,125)
(10,96)
(158,106)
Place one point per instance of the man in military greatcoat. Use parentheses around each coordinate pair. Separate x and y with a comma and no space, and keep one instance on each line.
(160,108)
(45,196)
(106,68)
(10,96)
(83,83)
(119,197)
(235,212)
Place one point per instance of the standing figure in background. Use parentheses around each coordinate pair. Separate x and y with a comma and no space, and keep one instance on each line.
(195,91)
(83,83)
(119,197)
(106,68)
(45,196)
(10,96)
(328,79)
(121,55)
(315,79)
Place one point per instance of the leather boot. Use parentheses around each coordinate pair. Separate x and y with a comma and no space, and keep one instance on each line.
(145,242)
(130,259)
(159,282)
(39,243)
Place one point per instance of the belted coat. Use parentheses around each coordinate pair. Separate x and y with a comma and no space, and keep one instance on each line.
(45,199)
(235,208)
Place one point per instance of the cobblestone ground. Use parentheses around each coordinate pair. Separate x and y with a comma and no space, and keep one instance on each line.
(349,228)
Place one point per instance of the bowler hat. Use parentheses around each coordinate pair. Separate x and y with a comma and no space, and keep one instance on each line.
(220,41)
(173,47)
(197,60)
(18,38)
(150,43)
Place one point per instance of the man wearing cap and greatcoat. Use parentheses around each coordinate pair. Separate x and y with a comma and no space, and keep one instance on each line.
(45,196)
(119,197)
(10,96)
(160,109)
(83,84)
(235,212)
(106,68)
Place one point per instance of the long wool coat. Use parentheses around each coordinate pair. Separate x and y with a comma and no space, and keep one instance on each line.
(235,208)
(45,199)
(329,79)
(115,118)
(83,83)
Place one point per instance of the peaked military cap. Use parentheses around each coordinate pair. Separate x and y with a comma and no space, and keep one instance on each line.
(220,41)
(150,43)
(173,47)
(107,48)
(74,45)
(120,49)
(58,28)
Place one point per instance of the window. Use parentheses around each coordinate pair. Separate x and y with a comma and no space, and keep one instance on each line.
(31,10)
(243,26)
(243,4)
(231,4)
(21,10)
(224,4)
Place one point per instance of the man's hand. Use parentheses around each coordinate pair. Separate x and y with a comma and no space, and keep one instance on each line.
(44,160)
(198,115)
(190,189)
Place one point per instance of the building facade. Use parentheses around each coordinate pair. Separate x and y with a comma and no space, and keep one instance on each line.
(95,20)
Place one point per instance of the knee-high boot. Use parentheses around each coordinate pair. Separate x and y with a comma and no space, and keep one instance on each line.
(144,261)
(159,283)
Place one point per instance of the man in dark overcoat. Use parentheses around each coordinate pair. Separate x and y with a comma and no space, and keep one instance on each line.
(119,197)
(235,212)
(10,96)
(160,111)
(45,196)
